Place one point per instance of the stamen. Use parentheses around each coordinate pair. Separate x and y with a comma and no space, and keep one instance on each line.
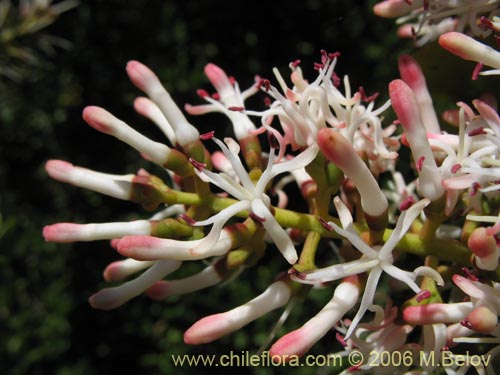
(336,79)
(340,339)
(273,142)
(477,131)
(267,101)
(295,63)
(202,93)
(466,323)
(207,136)
(318,66)
(474,188)
(188,219)
(477,70)
(468,273)
(406,204)
(365,98)
(325,224)
(216,96)
(266,84)
(423,295)
(198,165)
(426,4)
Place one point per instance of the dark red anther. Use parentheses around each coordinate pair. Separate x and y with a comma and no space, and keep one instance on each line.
(188,219)
(407,203)
(325,224)
(216,96)
(295,63)
(413,33)
(266,84)
(477,70)
(467,272)
(207,136)
(426,4)
(236,109)
(267,101)
(456,168)
(336,79)
(365,98)
(423,295)
(420,163)
(318,66)
(324,56)
(202,93)
(486,24)
(445,348)
(273,142)
(466,323)
(474,188)
(497,40)
(256,217)
(340,339)
(198,165)
(232,80)
(333,55)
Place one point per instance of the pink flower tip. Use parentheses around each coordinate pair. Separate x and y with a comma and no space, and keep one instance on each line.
(135,246)
(60,232)
(294,343)
(141,76)
(58,169)
(207,329)
(98,118)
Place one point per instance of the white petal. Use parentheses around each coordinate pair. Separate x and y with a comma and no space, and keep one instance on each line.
(277,233)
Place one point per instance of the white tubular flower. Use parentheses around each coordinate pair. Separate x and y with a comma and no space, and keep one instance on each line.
(470,49)
(116,186)
(230,101)
(166,288)
(105,122)
(121,269)
(428,19)
(301,340)
(71,232)
(374,260)
(150,110)
(340,151)
(110,298)
(379,336)
(252,196)
(148,82)
(308,107)
(212,327)
(406,108)
(412,74)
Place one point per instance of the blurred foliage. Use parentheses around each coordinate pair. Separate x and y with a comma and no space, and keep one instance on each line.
(46,324)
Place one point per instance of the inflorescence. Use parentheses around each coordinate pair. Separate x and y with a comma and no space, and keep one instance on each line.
(429,223)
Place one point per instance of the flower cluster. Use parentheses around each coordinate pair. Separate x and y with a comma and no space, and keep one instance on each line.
(422,222)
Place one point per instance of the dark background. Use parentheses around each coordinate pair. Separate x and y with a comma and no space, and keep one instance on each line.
(46,324)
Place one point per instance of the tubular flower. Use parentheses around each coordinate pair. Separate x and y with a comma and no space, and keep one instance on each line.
(427,19)
(375,260)
(307,108)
